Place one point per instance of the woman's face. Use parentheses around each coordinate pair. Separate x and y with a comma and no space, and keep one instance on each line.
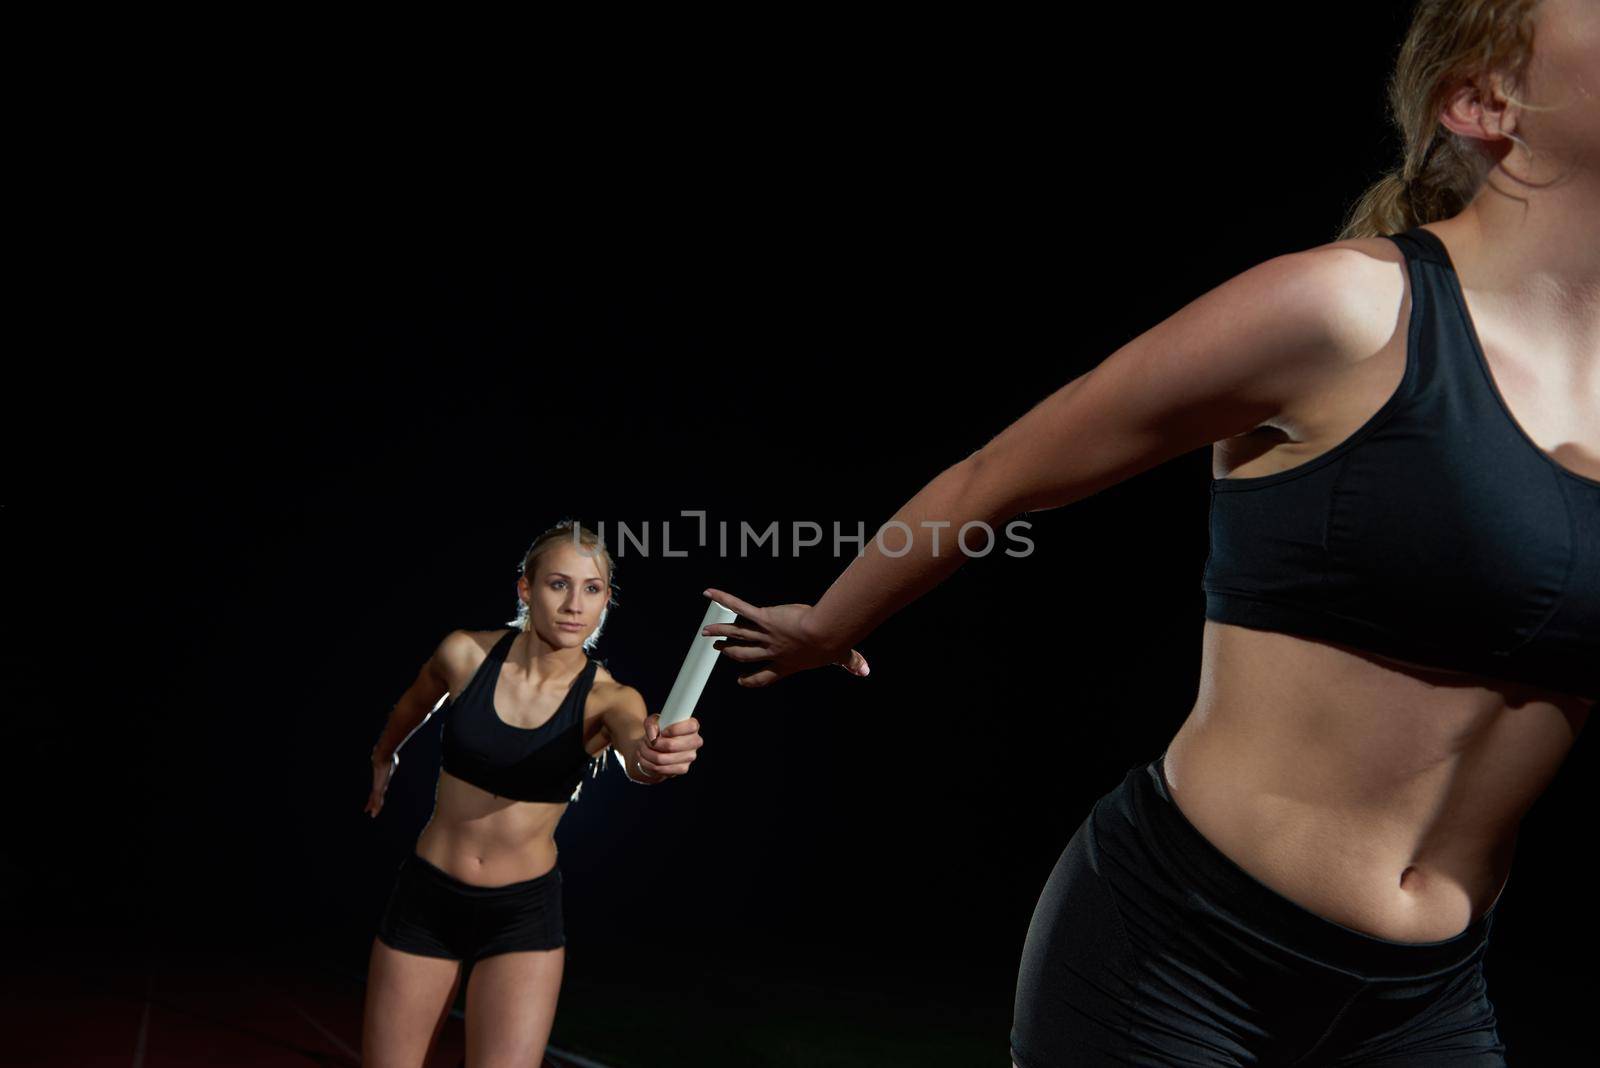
(1564,75)
(569,588)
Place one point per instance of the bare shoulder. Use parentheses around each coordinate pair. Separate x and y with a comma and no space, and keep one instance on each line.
(1365,307)
(611,694)
(1359,288)
(1367,276)
(459,655)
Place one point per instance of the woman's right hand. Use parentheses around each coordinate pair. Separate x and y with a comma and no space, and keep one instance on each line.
(382,770)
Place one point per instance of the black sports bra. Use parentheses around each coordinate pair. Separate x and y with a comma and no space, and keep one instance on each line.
(543,763)
(1437,533)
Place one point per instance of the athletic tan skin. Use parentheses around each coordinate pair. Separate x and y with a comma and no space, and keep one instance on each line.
(489,841)
(1383,795)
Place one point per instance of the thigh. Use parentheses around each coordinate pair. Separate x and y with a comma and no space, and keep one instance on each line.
(511,1007)
(408,997)
(426,918)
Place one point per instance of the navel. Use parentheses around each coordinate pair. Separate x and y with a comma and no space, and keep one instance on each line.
(1411,878)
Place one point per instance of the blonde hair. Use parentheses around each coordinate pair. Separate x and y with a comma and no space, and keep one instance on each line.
(1450,42)
(580,536)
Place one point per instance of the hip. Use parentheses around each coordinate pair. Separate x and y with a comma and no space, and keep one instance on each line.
(1149,946)
(1412,861)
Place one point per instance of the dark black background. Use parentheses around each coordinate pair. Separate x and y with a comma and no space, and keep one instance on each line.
(329,358)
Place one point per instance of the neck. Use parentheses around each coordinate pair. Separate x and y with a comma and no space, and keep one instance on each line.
(1532,246)
(538,659)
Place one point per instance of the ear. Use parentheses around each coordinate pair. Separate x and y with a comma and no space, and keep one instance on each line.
(1480,110)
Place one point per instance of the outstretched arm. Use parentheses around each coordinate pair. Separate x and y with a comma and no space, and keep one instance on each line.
(649,754)
(1223,365)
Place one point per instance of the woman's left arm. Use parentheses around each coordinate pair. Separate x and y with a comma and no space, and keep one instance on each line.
(649,754)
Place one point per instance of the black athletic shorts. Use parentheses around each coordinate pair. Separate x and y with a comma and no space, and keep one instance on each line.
(1150,947)
(433,913)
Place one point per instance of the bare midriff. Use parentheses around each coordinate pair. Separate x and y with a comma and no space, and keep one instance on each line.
(1382,795)
(487,840)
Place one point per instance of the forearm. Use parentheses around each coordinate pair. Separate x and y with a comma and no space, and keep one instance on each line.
(637,773)
(875,586)
(403,722)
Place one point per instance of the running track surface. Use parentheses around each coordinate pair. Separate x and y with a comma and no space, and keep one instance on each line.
(73,1009)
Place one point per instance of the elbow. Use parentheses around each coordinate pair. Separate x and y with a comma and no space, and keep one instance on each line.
(981,492)
(1008,478)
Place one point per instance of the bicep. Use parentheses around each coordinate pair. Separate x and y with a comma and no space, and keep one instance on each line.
(624,716)
(1224,364)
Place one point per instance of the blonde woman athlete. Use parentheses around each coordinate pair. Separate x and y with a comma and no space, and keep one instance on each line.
(529,711)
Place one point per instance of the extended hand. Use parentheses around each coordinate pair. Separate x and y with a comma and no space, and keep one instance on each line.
(780,635)
(670,751)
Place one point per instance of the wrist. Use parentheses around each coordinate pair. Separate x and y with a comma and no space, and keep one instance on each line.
(817,636)
(810,633)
